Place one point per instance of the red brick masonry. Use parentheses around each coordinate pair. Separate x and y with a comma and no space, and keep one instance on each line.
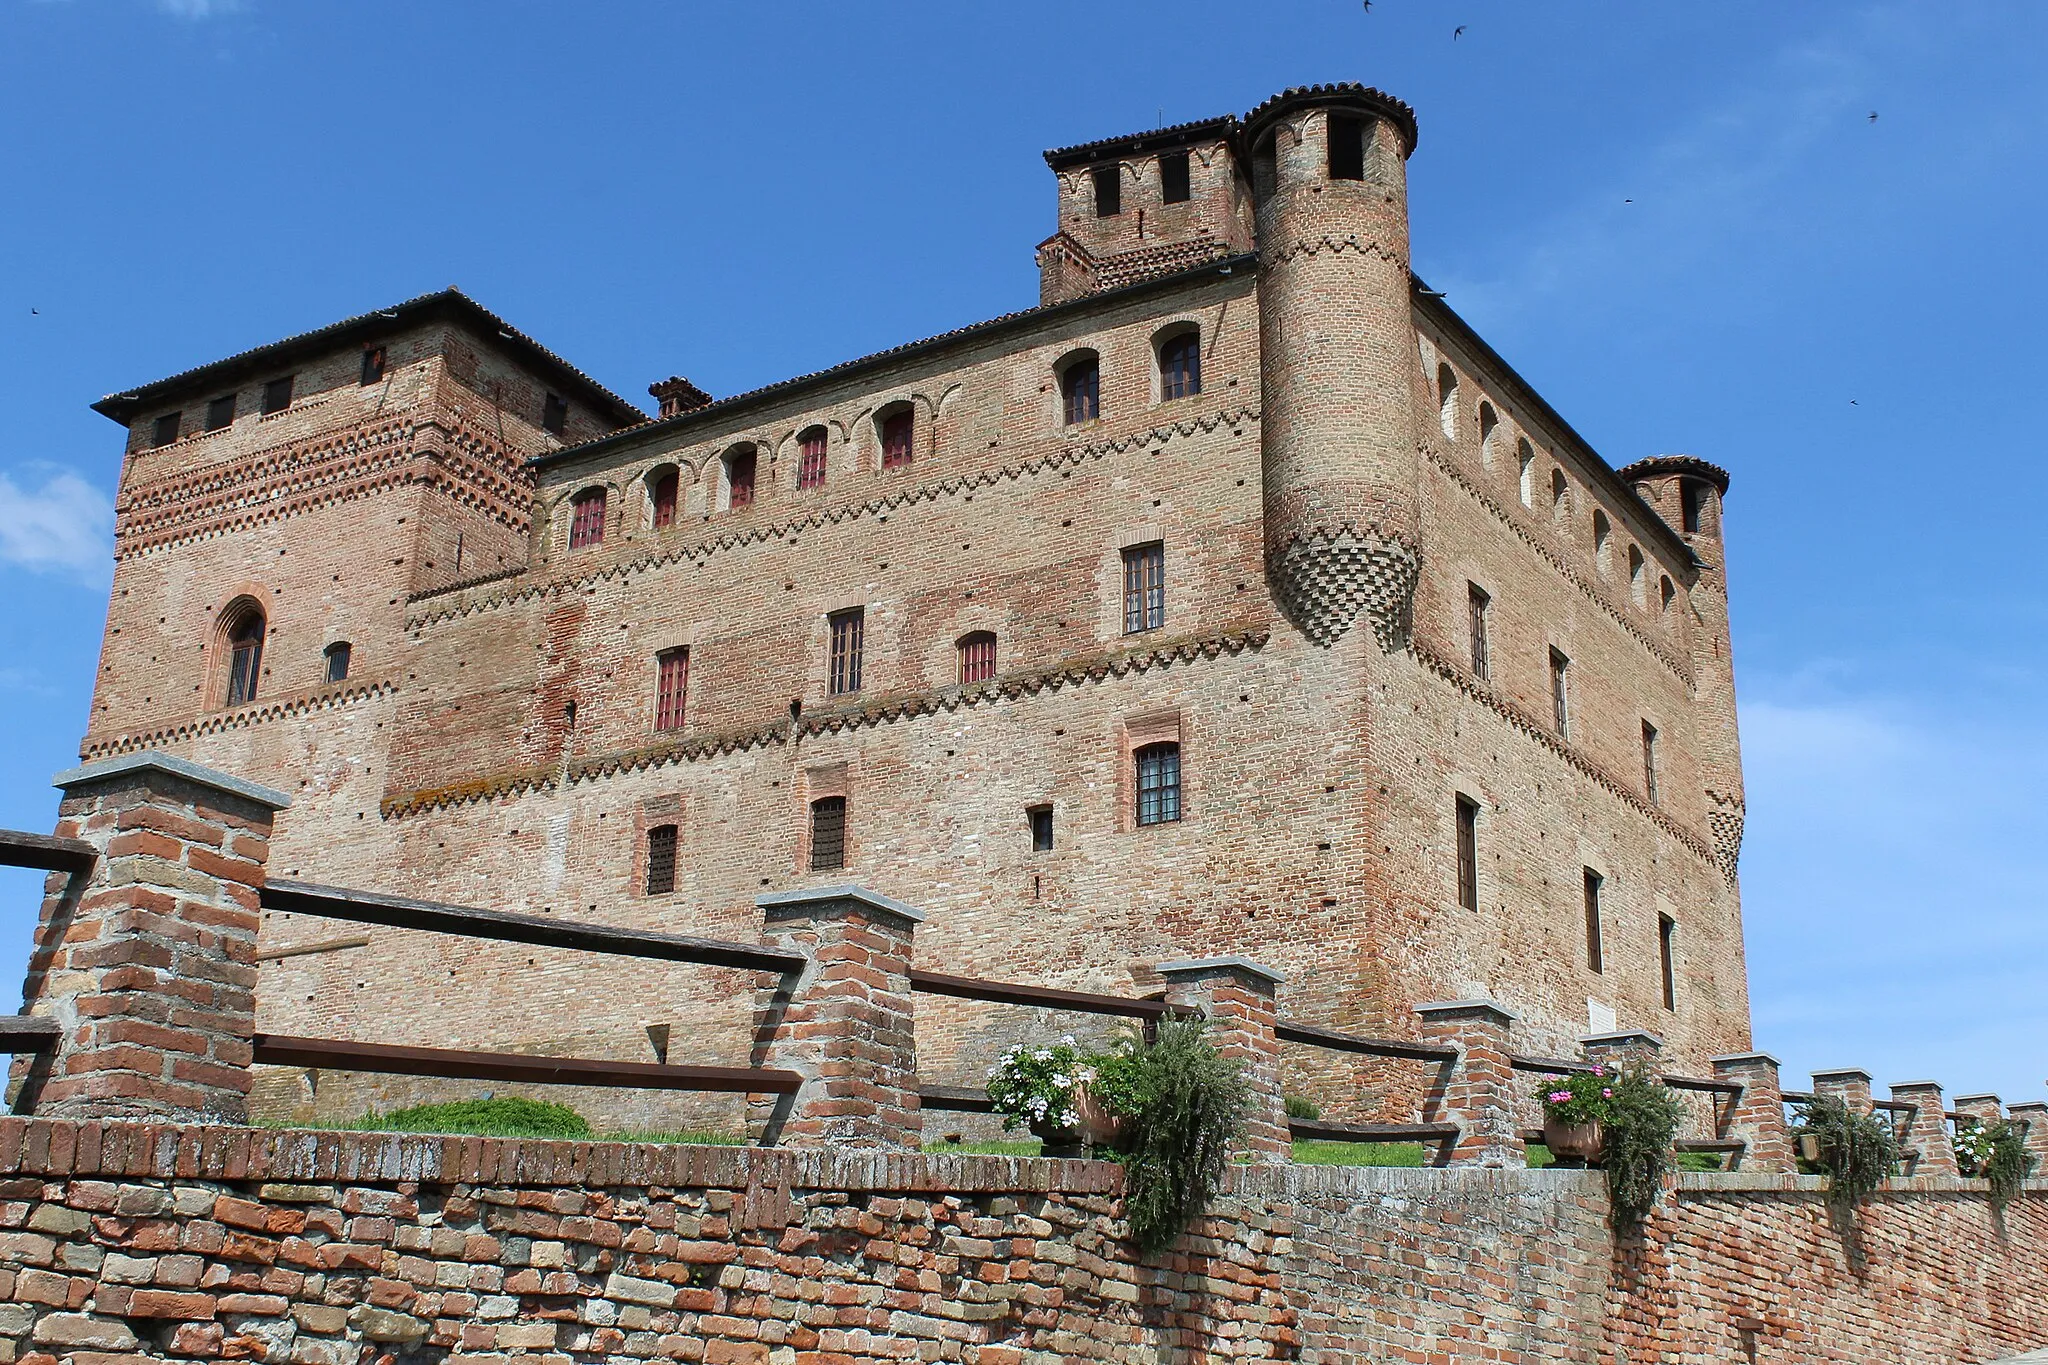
(127,1240)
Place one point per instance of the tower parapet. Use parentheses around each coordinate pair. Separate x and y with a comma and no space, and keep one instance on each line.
(1340,382)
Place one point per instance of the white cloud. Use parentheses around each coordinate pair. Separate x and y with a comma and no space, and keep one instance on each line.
(65,526)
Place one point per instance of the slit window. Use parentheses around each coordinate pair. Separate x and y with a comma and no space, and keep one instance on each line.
(1109,191)
(1180,366)
(1174,186)
(1560,681)
(1594,881)
(661,860)
(586,519)
(848,631)
(1081,391)
(666,485)
(1525,460)
(977,656)
(899,429)
(1041,828)
(671,688)
(1347,147)
(1650,762)
(1158,768)
(373,366)
(1476,603)
(220,412)
(1144,587)
(1489,427)
(1468,852)
(337,659)
(1667,954)
(165,430)
(1447,399)
(828,833)
(810,464)
(554,414)
(277,394)
(245,657)
(739,477)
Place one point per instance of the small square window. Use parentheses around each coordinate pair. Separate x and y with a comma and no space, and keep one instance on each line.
(373,365)
(277,394)
(554,414)
(1041,828)
(220,412)
(166,429)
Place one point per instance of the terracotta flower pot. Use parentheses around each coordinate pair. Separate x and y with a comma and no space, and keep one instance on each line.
(1809,1147)
(1574,1141)
(1099,1126)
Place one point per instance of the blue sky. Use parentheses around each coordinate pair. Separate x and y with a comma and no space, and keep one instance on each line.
(1678,220)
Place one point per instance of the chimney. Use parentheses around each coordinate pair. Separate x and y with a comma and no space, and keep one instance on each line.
(678,395)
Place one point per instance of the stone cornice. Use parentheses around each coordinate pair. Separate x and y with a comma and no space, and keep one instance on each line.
(241,718)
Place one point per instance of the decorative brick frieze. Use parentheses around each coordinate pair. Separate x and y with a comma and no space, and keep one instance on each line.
(1481,1091)
(148,963)
(1924,1132)
(1237,997)
(241,717)
(1756,1117)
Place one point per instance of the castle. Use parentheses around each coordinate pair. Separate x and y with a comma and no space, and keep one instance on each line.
(1237,598)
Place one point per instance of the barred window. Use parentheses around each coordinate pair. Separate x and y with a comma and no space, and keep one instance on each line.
(1081,390)
(1144,587)
(1180,366)
(166,429)
(1476,603)
(810,469)
(245,655)
(373,365)
(977,656)
(666,486)
(277,394)
(1560,709)
(661,860)
(586,521)
(848,630)
(899,428)
(337,656)
(220,412)
(1468,852)
(828,833)
(1594,954)
(1158,783)
(671,687)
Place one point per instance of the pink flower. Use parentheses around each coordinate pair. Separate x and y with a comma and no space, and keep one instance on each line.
(1599,1070)
(1560,1096)
(1607,1094)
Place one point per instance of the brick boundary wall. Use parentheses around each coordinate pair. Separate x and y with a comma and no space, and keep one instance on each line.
(131,1240)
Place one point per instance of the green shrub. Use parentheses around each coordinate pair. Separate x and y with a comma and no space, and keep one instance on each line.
(506,1116)
(1186,1103)
(1996,1152)
(1302,1107)
(1641,1123)
(1857,1151)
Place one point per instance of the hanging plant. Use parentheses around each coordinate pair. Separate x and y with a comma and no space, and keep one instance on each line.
(1996,1152)
(1625,1119)
(1856,1152)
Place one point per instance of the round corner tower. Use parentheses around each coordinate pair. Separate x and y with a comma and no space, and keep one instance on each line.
(1340,380)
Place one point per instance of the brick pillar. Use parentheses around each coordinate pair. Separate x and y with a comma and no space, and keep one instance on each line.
(1984,1108)
(1626,1047)
(148,964)
(1926,1132)
(2035,1115)
(1848,1084)
(1757,1115)
(1480,1091)
(847,1026)
(1237,997)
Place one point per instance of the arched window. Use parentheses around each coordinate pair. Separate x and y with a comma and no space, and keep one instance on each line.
(1558,489)
(810,460)
(897,427)
(1489,422)
(1665,592)
(1525,459)
(1158,785)
(1635,572)
(977,656)
(1447,399)
(1602,531)
(337,656)
(662,489)
(243,632)
(586,519)
(740,464)
(1081,389)
(1180,365)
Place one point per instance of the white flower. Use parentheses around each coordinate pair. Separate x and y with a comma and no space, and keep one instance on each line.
(1064,1082)
(1042,1055)
(1070,1119)
(1086,1074)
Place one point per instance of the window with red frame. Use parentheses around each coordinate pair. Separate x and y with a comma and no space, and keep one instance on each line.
(665,488)
(671,687)
(739,477)
(977,656)
(810,466)
(586,520)
(897,429)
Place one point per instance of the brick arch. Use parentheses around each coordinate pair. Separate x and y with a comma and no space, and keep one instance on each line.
(244,600)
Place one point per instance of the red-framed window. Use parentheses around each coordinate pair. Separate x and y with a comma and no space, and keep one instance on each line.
(1180,366)
(671,688)
(739,477)
(586,520)
(810,460)
(665,489)
(899,429)
(977,656)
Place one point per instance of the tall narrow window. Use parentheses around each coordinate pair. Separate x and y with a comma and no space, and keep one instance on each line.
(661,860)
(1635,573)
(245,656)
(1447,399)
(220,412)
(1489,427)
(810,461)
(1667,952)
(739,476)
(1525,461)
(848,628)
(1476,603)
(1603,531)
(554,413)
(1144,587)
(1558,489)
(1594,957)
(1180,366)
(666,486)
(1650,761)
(166,429)
(1665,592)
(1692,499)
(977,656)
(1041,828)
(1468,852)
(828,833)
(1158,783)
(1560,712)
(1109,191)
(898,430)
(373,365)
(337,658)
(1347,147)
(277,394)
(586,519)
(1081,391)
(1173,178)
(671,687)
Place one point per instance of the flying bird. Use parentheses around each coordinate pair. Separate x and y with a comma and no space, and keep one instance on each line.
(1873,116)
(1628,201)
(1853,403)
(35,312)
(1457,33)
(1368,6)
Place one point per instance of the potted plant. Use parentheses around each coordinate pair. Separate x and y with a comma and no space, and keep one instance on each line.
(1994,1152)
(1854,1151)
(1622,1119)
(1575,1111)
(1048,1090)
